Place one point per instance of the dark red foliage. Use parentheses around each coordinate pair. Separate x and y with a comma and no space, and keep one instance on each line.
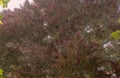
(52,39)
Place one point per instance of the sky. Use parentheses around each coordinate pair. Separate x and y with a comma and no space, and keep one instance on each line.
(15,4)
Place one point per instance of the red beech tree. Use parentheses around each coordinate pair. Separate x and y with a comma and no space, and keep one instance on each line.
(61,39)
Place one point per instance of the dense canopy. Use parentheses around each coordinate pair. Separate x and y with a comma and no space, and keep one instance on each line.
(61,39)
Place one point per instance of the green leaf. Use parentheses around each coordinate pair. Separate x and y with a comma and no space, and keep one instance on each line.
(1,76)
(5,3)
(116,35)
(1,72)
